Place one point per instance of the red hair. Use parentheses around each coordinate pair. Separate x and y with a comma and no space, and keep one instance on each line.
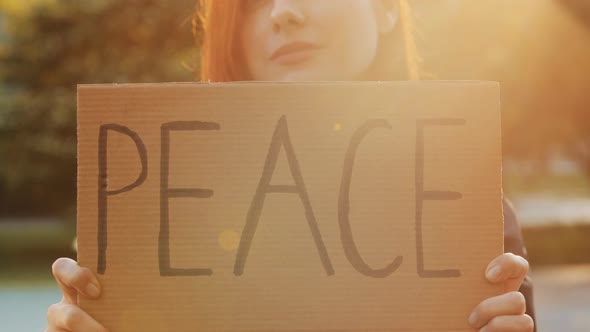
(216,27)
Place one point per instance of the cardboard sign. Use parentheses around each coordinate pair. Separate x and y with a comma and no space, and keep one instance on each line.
(289,206)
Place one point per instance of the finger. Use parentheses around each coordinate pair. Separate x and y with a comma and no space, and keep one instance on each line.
(70,317)
(522,323)
(509,269)
(508,304)
(73,279)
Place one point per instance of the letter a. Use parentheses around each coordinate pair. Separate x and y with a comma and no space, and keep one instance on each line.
(279,138)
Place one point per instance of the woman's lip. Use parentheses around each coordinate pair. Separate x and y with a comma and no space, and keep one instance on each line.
(294,53)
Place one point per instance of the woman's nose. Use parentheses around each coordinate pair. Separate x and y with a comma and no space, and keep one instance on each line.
(287,14)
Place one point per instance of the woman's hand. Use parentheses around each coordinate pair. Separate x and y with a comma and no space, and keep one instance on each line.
(505,312)
(501,313)
(66,316)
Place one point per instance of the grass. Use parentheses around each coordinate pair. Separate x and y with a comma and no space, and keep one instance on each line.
(27,276)
(27,250)
(561,186)
(558,244)
(24,236)
(554,243)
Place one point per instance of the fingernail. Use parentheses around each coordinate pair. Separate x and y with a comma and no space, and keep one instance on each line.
(473,319)
(493,273)
(92,290)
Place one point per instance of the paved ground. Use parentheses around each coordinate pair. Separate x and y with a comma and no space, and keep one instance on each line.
(24,309)
(562,297)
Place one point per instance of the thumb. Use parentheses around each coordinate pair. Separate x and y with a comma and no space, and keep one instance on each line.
(73,280)
(508,269)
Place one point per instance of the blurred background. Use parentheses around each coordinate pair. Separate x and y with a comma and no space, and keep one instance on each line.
(538,49)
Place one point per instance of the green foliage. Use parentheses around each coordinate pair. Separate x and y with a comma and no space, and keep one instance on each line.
(537,50)
(50,50)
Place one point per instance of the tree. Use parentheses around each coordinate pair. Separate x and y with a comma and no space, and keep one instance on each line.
(47,50)
(539,51)
(578,143)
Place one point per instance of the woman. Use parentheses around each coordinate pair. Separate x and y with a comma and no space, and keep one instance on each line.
(310,40)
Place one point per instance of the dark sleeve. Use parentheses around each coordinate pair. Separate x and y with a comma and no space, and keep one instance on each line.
(513,243)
